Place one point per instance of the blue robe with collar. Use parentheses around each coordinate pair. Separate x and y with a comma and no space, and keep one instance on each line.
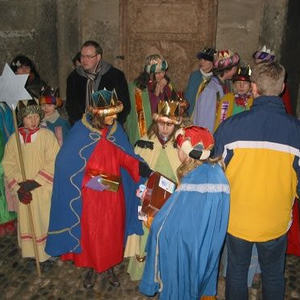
(186,237)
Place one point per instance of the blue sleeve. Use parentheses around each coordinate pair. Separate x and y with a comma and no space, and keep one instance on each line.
(219,145)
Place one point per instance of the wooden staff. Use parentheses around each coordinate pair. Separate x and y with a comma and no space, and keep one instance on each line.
(30,216)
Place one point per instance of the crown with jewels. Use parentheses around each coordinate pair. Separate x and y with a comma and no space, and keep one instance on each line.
(50,95)
(225,59)
(105,103)
(264,54)
(242,74)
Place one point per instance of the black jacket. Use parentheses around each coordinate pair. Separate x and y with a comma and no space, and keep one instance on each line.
(76,92)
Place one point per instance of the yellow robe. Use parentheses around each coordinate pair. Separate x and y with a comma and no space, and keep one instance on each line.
(135,245)
(39,157)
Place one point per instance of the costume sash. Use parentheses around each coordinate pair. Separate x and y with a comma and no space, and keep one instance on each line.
(140,112)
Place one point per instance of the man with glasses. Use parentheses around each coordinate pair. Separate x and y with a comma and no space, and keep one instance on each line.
(94,74)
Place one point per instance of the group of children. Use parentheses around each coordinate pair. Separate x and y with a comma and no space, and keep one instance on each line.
(82,189)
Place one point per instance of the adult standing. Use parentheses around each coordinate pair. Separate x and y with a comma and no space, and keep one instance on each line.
(262,144)
(94,74)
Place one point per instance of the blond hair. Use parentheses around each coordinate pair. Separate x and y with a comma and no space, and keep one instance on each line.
(190,164)
(269,78)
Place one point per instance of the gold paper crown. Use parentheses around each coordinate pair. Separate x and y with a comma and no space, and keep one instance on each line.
(168,108)
(168,111)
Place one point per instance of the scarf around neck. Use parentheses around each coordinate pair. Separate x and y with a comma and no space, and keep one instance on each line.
(27,133)
(93,79)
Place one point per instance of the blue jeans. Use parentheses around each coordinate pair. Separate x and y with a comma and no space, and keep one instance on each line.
(271,256)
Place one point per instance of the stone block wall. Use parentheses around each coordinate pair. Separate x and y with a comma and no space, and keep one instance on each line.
(29,28)
(51,31)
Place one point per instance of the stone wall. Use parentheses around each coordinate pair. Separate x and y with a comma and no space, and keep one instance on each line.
(239,26)
(51,32)
(29,28)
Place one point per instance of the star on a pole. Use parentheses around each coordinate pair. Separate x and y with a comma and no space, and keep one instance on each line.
(12,87)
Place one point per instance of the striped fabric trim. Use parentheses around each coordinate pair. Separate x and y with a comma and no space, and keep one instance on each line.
(204,188)
(46,175)
(261,145)
(29,237)
(12,183)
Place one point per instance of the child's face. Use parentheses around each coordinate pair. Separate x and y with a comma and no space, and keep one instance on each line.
(31,121)
(165,129)
(241,87)
(205,65)
(23,70)
(159,76)
(48,109)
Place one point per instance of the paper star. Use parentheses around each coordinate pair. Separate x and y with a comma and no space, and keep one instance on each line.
(12,87)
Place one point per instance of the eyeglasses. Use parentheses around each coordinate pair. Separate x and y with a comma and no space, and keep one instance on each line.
(88,56)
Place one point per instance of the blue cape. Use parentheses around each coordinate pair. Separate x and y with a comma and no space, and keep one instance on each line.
(66,203)
(186,237)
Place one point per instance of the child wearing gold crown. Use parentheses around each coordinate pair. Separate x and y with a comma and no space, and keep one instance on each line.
(157,149)
(188,232)
(39,148)
(94,196)
(240,100)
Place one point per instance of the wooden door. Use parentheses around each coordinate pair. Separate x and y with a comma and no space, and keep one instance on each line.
(176,29)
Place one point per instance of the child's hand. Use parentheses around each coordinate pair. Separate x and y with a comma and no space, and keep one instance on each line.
(24,197)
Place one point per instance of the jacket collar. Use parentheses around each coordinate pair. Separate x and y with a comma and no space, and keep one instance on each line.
(268,102)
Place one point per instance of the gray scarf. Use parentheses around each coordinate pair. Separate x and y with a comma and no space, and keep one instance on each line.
(93,79)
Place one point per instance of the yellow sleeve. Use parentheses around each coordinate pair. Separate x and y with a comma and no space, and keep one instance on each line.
(11,164)
(51,148)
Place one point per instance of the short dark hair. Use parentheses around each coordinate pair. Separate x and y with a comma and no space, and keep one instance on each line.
(94,44)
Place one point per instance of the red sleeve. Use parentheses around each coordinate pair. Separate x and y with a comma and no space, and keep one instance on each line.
(287,101)
(130,164)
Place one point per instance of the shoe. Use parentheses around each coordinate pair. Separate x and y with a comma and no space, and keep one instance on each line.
(89,279)
(46,266)
(112,278)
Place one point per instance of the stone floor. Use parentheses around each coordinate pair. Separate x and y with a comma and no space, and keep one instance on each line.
(18,280)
